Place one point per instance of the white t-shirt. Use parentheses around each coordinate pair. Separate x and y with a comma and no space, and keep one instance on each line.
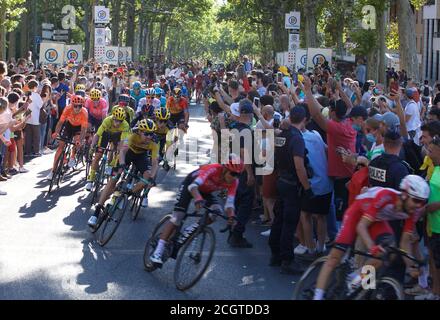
(412,109)
(6,121)
(108,83)
(35,107)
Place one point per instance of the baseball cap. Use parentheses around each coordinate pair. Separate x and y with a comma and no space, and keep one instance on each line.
(359,111)
(390,119)
(410,92)
(246,107)
(284,70)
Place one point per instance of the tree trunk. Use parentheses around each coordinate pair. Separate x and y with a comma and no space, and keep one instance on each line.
(116,19)
(2,34)
(373,65)
(311,22)
(12,48)
(279,32)
(130,4)
(407,39)
(24,35)
(381,18)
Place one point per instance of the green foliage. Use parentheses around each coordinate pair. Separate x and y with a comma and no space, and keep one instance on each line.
(12,9)
(392,38)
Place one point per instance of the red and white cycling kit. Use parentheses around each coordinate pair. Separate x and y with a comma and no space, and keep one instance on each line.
(99,110)
(209,179)
(377,205)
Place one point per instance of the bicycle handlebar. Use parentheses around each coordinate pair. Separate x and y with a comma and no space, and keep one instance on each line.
(389,249)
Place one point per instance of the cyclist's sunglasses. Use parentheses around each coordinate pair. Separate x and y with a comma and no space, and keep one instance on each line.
(148,135)
(419,201)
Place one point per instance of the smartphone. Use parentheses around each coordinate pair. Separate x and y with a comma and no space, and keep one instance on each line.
(279,77)
(256,101)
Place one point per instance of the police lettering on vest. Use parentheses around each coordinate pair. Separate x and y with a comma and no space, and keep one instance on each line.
(379,170)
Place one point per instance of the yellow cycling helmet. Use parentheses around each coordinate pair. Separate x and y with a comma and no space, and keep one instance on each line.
(95,95)
(163,114)
(80,87)
(119,114)
(146,125)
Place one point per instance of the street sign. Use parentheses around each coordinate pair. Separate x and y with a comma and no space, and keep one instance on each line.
(47,34)
(294,41)
(293,20)
(301,59)
(60,38)
(60,32)
(47,26)
(318,56)
(112,55)
(52,53)
(73,52)
(102,15)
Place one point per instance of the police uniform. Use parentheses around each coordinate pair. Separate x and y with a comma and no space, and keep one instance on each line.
(289,144)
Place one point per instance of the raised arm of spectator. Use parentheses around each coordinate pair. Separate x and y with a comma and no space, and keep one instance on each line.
(226,97)
(221,103)
(358,93)
(400,113)
(344,97)
(314,106)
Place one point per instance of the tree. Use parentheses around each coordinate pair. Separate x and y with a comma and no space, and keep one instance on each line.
(10,12)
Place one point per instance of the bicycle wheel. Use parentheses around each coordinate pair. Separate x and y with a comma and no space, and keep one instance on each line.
(136,207)
(97,183)
(113,220)
(305,287)
(57,172)
(194,259)
(387,288)
(152,242)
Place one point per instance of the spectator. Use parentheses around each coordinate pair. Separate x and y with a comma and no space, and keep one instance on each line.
(412,116)
(32,129)
(260,84)
(361,72)
(63,90)
(290,165)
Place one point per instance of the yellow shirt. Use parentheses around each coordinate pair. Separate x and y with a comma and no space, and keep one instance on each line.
(107,126)
(137,146)
(429,166)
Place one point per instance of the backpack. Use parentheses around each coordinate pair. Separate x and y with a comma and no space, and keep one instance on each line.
(426,91)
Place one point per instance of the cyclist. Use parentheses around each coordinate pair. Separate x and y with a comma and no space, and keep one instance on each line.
(163,127)
(161,96)
(200,185)
(137,93)
(74,122)
(97,108)
(140,146)
(178,107)
(101,87)
(112,130)
(366,217)
(146,112)
(125,102)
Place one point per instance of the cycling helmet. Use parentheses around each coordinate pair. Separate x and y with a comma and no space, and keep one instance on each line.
(179,81)
(235,164)
(99,86)
(137,85)
(146,125)
(178,91)
(124,99)
(151,92)
(78,100)
(416,187)
(80,87)
(81,93)
(163,114)
(95,95)
(158,91)
(119,114)
(156,85)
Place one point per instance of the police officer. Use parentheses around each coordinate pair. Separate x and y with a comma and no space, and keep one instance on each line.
(389,169)
(292,184)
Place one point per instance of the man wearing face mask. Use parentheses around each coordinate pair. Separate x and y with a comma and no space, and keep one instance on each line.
(358,115)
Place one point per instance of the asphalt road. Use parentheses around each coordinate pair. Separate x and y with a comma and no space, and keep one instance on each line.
(48,252)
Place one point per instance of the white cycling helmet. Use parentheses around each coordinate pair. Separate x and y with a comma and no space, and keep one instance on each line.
(416,187)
